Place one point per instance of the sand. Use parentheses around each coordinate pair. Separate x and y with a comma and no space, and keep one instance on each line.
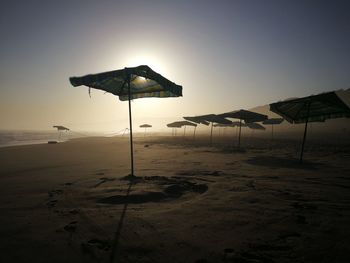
(68,202)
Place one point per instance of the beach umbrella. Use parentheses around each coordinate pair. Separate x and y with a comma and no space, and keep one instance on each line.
(272,122)
(60,129)
(180,124)
(246,116)
(145,126)
(128,84)
(212,118)
(174,126)
(255,126)
(198,121)
(224,126)
(315,108)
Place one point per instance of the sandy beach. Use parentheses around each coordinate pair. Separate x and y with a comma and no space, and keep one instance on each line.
(68,202)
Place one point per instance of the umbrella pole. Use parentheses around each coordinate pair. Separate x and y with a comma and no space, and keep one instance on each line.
(305,131)
(239,134)
(211,134)
(185,131)
(272,133)
(130,124)
(194,132)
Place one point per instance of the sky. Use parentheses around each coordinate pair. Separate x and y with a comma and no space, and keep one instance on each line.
(227,55)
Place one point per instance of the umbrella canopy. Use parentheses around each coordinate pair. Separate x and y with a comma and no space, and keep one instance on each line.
(142,80)
(179,124)
(209,118)
(213,118)
(315,108)
(145,126)
(61,128)
(197,119)
(273,121)
(255,126)
(311,109)
(130,83)
(247,116)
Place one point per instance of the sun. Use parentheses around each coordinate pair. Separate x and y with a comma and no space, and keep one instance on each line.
(147,59)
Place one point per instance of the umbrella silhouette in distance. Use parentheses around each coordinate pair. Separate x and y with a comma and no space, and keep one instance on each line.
(180,124)
(209,118)
(314,108)
(145,126)
(197,120)
(246,116)
(272,122)
(224,126)
(128,84)
(255,126)
(60,129)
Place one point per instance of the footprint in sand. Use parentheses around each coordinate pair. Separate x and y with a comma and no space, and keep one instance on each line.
(51,203)
(71,227)
(55,192)
(94,245)
(103,180)
(52,194)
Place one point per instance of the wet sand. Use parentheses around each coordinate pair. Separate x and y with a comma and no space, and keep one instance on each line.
(71,202)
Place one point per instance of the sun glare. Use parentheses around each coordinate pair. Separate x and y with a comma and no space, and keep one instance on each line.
(150,60)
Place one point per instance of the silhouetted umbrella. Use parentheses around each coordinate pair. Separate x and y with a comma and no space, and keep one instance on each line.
(179,124)
(60,129)
(197,119)
(247,116)
(255,126)
(131,83)
(211,118)
(224,126)
(315,108)
(145,126)
(174,125)
(272,122)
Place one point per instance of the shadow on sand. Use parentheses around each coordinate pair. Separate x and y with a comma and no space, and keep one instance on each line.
(113,257)
(172,188)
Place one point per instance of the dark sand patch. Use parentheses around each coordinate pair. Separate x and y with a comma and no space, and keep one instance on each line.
(170,188)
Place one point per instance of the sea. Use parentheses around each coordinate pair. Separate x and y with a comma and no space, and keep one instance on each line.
(13,138)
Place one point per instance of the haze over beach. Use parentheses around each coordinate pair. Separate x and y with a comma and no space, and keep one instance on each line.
(79,183)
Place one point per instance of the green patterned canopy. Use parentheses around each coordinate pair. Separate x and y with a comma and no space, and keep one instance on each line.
(314,108)
(144,83)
